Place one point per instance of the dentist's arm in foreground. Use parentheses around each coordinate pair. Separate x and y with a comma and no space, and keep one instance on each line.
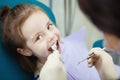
(53,68)
(103,63)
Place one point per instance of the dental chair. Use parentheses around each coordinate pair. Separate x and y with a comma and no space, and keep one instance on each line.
(98,43)
(9,67)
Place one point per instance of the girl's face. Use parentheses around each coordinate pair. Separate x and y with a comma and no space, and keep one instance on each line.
(40,34)
(112,42)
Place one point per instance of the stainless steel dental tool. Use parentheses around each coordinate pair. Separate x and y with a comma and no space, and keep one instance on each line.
(92,55)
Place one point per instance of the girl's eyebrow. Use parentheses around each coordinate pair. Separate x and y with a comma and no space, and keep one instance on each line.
(47,23)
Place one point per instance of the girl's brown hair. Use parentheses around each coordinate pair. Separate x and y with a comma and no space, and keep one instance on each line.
(12,21)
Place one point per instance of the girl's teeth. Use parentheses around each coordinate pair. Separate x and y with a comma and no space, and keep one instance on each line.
(54,47)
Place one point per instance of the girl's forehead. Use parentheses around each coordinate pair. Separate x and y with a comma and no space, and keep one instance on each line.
(37,18)
(34,23)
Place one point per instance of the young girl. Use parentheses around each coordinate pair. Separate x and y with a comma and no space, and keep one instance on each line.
(29,34)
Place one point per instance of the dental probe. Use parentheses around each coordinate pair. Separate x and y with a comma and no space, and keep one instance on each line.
(92,55)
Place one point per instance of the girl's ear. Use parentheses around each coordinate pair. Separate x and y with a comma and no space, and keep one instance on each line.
(25,52)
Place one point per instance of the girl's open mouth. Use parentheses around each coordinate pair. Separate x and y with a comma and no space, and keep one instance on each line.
(57,45)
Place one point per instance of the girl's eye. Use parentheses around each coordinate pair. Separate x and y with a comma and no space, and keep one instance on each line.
(39,37)
(50,26)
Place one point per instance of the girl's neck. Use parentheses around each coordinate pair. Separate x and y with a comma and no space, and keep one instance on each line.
(42,60)
(40,64)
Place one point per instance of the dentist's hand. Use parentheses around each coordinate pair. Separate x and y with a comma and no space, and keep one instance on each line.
(53,68)
(103,63)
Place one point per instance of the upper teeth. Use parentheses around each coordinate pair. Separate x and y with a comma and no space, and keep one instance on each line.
(54,47)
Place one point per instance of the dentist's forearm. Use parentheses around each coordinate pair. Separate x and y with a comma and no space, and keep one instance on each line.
(109,74)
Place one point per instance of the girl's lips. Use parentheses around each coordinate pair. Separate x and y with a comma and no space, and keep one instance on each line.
(58,46)
(50,50)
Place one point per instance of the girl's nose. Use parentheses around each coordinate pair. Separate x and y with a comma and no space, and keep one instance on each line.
(51,37)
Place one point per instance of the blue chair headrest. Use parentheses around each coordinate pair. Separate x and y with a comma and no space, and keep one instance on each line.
(12,3)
